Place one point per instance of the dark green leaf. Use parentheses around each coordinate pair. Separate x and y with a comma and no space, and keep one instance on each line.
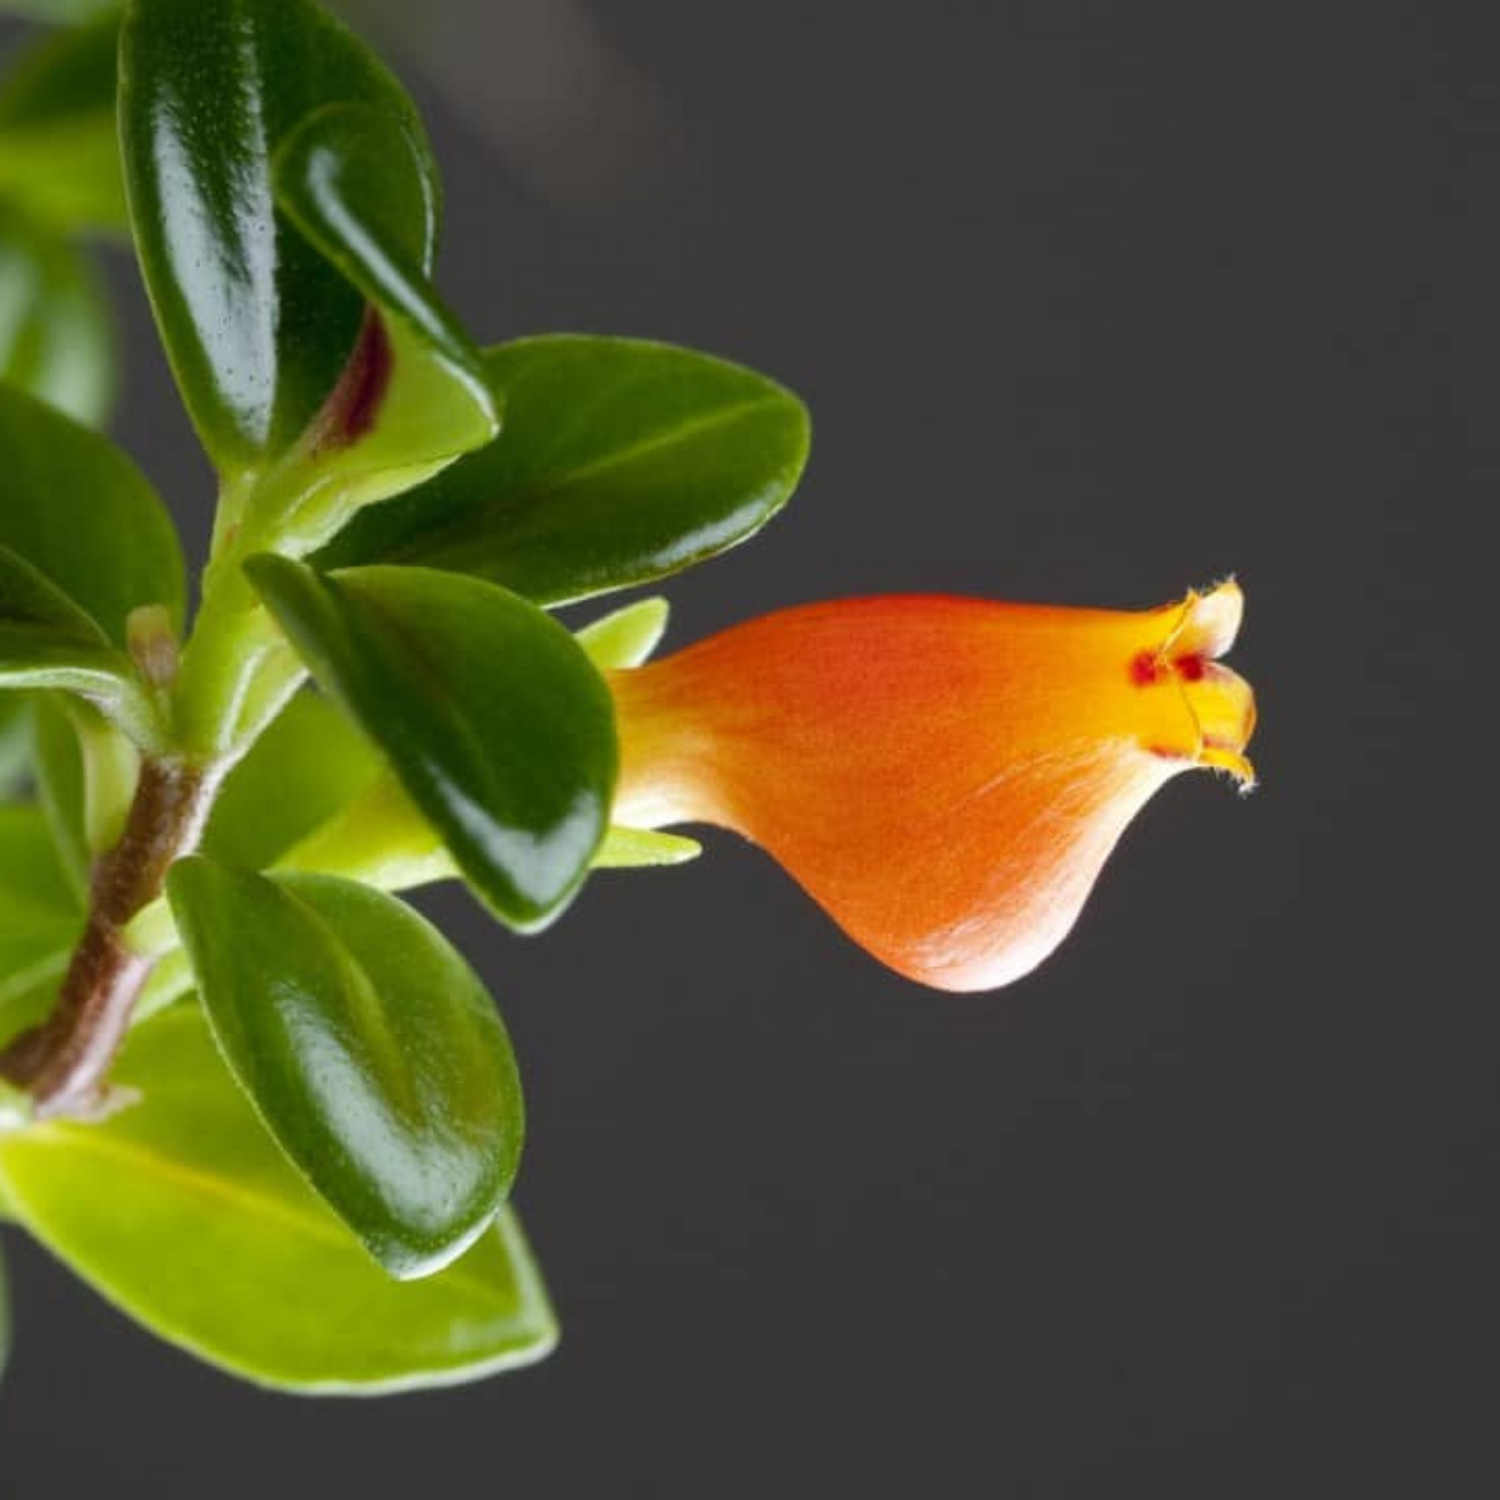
(368,1046)
(381,838)
(258,324)
(59,154)
(498,725)
(621,461)
(56,333)
(308,765)
(183,1212)
(75,508)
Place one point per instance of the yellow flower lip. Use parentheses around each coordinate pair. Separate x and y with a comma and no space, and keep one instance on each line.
(1221,702)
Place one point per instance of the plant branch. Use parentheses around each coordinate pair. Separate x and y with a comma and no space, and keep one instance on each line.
(62,1062)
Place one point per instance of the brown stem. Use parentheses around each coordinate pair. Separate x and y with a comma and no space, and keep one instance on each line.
(62,1062)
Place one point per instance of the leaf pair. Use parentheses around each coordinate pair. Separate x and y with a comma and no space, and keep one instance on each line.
(285,207)
(622,461)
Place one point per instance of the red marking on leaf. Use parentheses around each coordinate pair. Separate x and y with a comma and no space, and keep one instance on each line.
(354,404)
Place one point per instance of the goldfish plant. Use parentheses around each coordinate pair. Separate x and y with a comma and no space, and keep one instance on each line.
(249,1093)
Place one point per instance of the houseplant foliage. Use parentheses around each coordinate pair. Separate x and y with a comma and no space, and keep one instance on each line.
(245,1090)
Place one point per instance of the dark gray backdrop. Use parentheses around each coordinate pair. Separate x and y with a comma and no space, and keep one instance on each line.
(1092,301)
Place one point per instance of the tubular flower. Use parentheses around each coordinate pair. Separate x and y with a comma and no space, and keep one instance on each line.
(945,776)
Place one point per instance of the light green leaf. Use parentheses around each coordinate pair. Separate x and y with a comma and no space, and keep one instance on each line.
(644,848)
(627,637)
(309,764)
(15,743)
(381,839)
(59,153)
(76,508)
(184,1213)
(57,339)
(498,725)
(258,324)
(369,1048)
(41,918)
(621,462)
(86,774)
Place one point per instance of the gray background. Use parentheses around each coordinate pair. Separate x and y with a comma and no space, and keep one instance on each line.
(1092,301)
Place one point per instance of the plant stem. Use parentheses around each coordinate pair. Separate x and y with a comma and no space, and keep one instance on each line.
(62,1062)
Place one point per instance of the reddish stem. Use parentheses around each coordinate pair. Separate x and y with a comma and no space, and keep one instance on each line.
(62,1062)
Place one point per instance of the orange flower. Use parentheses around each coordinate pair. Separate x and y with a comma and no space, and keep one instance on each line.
(945,776)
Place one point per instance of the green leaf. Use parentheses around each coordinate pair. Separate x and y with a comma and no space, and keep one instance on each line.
(75,508)
(86,774)
(59,153)
(41,918)
(644,848)
(369,1048)
(358,184)
(308,765)
(499,727)
(60,12)
(627,637)
(258,324)
(381,839)
(46,641)
(621,462)
(184,1213)
(15,743)
(57,338)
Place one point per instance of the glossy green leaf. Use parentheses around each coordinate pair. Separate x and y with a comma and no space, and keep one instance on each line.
(57,338)
(309,764)
(183,1212)
(621,462)
(59,152)
(76,508)
(498,725)
(258,324)
(41,918)
(369,1048)
(357,183)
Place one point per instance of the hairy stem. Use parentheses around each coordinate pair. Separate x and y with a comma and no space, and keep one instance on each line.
(62,1062)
